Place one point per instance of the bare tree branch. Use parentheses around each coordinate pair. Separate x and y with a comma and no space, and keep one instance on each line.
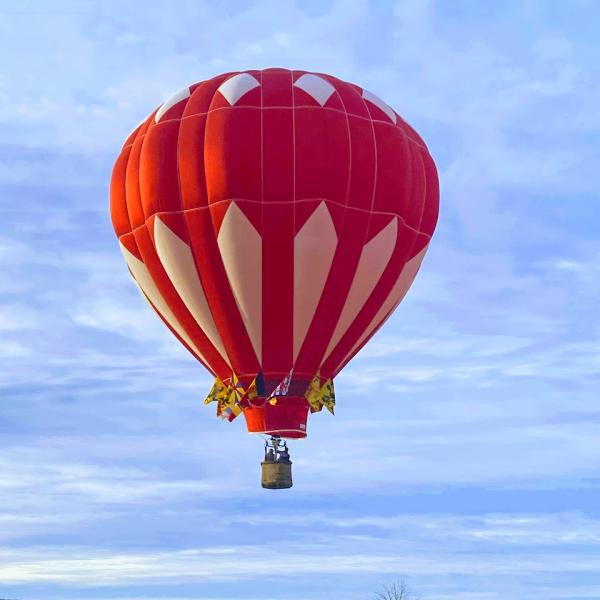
(395,591)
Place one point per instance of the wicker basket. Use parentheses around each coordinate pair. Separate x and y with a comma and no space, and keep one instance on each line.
(276,475)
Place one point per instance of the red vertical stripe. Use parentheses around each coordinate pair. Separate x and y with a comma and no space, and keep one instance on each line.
(278,223)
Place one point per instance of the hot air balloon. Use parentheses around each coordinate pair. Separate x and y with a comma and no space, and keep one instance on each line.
(274,220)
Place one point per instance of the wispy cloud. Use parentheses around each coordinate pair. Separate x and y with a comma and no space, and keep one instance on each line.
(91,568)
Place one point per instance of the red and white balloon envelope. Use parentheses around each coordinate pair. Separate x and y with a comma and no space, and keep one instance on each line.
(274,220)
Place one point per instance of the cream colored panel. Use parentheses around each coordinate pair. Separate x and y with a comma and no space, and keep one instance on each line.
(146,283)
(397,293)
(314,247)
(373,261)
(241,249)
(177,259)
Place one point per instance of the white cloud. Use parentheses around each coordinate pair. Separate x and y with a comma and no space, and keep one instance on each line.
(89,568)
(526,529)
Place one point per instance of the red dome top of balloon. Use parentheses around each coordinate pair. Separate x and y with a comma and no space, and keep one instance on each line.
(274,219)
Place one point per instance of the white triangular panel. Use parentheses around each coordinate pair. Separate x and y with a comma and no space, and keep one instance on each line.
(396,295)
(317,87)
(172,101)
(314,248)
(177,259)
(237,86)
(241,249)
(373,260)
(150,290)
(380,104)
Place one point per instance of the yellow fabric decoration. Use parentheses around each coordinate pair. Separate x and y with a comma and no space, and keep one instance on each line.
(320,396)
(328,395)
(313,394)
(252,391)
(217,392)
(228,407)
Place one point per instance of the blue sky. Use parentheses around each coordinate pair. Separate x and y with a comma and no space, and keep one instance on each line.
(476,478)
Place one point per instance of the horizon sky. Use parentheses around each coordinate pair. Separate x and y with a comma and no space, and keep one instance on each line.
(464,455)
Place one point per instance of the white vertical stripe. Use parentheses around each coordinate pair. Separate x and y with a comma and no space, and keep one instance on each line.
(178,261)
(151,292)
(241,249)
(396,295)
(314,248)
(373,260)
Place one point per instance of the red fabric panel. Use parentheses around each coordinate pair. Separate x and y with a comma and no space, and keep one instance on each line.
(276,88)
(139,131)
(287,418)
(351,97)
(190,159)
(132,185)
(278,159)
(159,178)
(322,154)
(278,289)
(396,173)
(232,154)
(362,176)
(118,195)
(432,200)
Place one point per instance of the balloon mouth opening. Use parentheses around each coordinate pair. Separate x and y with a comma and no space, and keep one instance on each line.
(282,416)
